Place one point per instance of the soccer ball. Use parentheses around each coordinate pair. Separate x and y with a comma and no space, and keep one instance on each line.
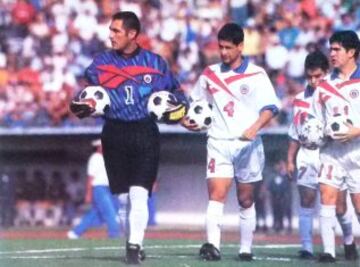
(200,112)
(97,97)
(311,133)
(163,106)
(336,124)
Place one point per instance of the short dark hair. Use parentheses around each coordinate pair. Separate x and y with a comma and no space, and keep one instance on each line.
(231,32)
(316,59)
(348,40)
(130,20)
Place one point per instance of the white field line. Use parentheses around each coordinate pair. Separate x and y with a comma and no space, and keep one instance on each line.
(19,254)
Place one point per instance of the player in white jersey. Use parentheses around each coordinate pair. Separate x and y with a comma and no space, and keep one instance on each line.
(103,204)
(303,164)
(243,102)
(340,158)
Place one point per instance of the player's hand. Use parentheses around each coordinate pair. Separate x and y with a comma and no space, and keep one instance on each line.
(82,109)
(249,134)
(290,169)
(192,126)
(352,133)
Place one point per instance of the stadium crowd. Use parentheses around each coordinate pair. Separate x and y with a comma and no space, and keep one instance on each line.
(45,45)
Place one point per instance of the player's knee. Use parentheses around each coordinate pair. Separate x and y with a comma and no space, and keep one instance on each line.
(219,196)
(246,203)
(340,211)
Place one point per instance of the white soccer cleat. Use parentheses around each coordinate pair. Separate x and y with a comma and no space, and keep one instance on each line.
(72,235)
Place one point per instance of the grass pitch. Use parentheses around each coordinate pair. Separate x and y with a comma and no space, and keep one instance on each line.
(160,253)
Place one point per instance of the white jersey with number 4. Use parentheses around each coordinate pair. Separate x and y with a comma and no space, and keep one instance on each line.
(237,97)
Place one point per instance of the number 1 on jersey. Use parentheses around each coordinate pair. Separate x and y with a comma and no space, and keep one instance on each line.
(129,95)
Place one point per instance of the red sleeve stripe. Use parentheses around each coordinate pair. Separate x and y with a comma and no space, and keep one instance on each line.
(343,84)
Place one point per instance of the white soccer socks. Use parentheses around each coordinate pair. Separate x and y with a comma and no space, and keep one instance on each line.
(345,221)
(123,212)
(138,214)
(306,228)
(214,216)
(247,228)
(327,228)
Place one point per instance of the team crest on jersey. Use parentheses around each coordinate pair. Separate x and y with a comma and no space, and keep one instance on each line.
(147,78)
(244,89)
(354,93)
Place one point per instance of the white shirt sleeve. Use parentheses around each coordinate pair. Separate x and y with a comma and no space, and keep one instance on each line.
(199,91)
(265,95)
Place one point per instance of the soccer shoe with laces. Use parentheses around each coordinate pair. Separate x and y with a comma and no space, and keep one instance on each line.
(351,252)
(306,255)
(326,257)
(134,254)
(246,256)
(208,252)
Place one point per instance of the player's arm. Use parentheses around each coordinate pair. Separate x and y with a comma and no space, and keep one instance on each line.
(177,106)
(266,115)
(293,148)
(197,93)
(168,82)
(266,102)
(83,109)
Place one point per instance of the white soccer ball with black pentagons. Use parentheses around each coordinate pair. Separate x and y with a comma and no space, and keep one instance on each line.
(97,97)
(200,112)
(160,104)
(311,133)
(337,125)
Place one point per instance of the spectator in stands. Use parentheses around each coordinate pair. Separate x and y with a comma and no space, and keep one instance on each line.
(38,30)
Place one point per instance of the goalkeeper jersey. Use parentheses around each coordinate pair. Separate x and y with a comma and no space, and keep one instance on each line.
(129,81)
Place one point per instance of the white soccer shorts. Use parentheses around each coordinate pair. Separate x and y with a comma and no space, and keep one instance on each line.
(232,158)
(340,164)
(307,164)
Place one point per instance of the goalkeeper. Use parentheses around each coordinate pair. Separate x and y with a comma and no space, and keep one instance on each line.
(130,137)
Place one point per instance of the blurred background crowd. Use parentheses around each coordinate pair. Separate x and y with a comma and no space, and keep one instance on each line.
(45,45)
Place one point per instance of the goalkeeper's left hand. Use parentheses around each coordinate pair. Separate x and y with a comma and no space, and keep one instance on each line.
(82,109)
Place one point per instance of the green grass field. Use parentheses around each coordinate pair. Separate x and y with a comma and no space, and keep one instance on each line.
(108,253)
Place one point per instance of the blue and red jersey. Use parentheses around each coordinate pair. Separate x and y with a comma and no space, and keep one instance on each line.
(130,81)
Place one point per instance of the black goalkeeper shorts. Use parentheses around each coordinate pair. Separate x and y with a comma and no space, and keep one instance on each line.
(131,153)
